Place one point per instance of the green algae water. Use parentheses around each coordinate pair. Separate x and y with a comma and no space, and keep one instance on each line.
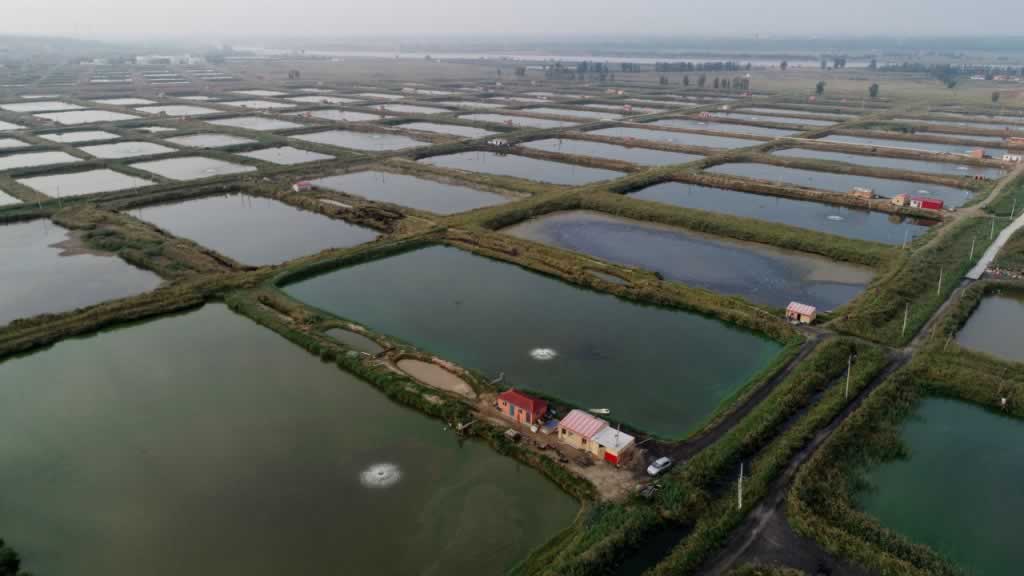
(205,444)
(660,370)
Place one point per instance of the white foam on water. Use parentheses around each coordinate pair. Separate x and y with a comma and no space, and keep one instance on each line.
(836,218)
(381,475)
(543,354)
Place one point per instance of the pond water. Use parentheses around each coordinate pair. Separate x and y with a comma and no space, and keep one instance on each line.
(920,146)
(584,114)
(79,136)
(842,183)
(30,159)
(7,199)
(412,192)
(355,341)
(192,167)
(5,126)
(178,110)
(522,167)
(521,121)
(82,183)
(323,100)
(125,150)
(681,138)
(776,119)
(286,155)
(264,479)
(412,109)
(954,123)
(209,140)
(840,116)
(946,168)
(452,129)
(380,96)
(690,124)
(38,280)
(661,370)
(838,220)
(10,143)
(76,117)
(763,274)
(636,155)
(368,141)
(258,104)
(252,230)
(124,101)
(259,123)
(959,491)
(994,327)
(341,115)
(260,93)
(39,106)
(471,104)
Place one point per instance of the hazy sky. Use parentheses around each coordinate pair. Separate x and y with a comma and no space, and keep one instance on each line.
(225,18)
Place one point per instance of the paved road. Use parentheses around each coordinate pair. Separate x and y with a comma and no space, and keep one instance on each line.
(979,269)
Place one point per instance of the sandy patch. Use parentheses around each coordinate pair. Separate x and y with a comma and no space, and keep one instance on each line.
(436,377)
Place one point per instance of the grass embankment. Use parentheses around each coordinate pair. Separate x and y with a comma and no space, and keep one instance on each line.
(878,313)
(766,441)
(821,503)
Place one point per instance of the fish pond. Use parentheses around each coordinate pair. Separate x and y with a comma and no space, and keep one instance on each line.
(192,167)
(252,230)
(838,220)
(681,138)
(994,327)
(634,154)
(936,147)
(79,136)
(82,183)
(522,167)
(32,159)
(367,141)
(209,140)
(286,155)
(958,491)
(749,129)
(451,129)
(262,477)
(842,183)
(45,270)
(925,166)
(522,121)
(763,274)
(75,117)
(661,370)
(412,192)
(258,123)
(119,150)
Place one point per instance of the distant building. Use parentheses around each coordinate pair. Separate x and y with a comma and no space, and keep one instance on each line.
(1012,157)
(926,203)
(303,186)
(900,200)
(976,153)
(521,408)
(802,313)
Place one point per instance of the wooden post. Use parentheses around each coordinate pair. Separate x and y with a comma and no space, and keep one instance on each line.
(938,289)
(906,314)
(739,490)
(971,257)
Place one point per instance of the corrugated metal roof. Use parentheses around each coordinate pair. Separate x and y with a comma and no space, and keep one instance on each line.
(582,423)
(613,439)
(802,309)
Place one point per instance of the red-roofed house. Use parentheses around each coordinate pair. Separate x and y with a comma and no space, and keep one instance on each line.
(802,313)
(578,429)
(520,407)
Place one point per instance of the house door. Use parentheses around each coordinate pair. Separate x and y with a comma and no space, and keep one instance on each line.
(511,410)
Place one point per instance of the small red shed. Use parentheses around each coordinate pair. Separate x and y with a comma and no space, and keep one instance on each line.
(520,407)
(926,203)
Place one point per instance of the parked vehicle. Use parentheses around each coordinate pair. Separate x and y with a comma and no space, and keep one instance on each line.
(659,466)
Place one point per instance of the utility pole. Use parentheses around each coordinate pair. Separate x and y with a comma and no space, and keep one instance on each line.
(906,314)
(1014,209)
(739,490)
(938,289)
(849,369)
(971,257)
(906,236)
(993,232)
